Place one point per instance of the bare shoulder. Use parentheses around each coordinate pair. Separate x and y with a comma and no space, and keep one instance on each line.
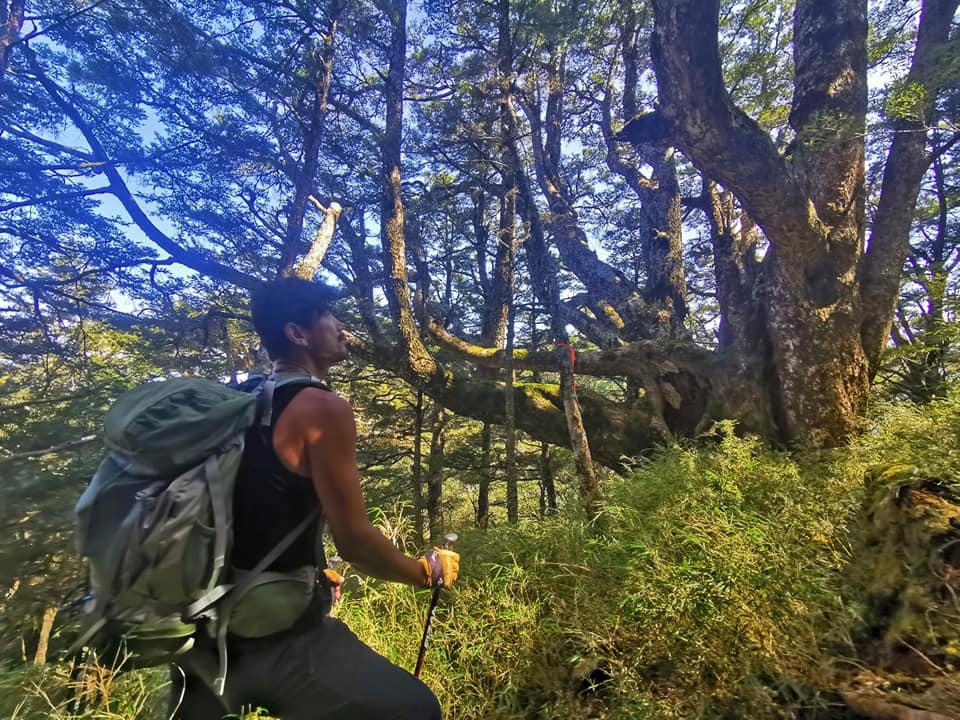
(313,406)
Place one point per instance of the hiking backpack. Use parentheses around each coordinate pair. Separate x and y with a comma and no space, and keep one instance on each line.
(156,521)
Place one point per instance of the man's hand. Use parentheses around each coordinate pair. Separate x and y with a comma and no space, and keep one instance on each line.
(336,580)
(441,567)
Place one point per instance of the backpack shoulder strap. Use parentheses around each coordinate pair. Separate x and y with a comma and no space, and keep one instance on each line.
(278,380)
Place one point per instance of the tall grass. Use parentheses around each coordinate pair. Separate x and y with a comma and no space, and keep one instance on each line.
(709,590)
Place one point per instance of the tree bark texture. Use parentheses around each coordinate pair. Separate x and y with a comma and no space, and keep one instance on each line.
(11,20)
(809,202)
(391,206)
(308,266)
(315,114)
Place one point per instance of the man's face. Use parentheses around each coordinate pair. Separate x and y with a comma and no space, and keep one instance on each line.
(326,342)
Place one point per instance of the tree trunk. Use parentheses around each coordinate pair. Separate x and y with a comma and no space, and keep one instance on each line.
(391,206)
(418,505)
(510,426)
(363,290)
(735,274)
(435,474)
(313,135)
(548,489)
(809,204)
(662,238)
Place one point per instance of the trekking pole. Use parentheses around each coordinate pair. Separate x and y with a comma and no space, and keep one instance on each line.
(448,540)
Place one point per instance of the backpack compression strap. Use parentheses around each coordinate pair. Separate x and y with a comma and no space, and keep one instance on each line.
(240,589)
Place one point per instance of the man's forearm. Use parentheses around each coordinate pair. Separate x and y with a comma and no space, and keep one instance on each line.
(374,554)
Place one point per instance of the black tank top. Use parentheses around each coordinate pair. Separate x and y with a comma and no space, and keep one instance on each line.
(269,501)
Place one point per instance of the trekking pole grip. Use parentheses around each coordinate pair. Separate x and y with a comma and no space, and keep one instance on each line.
(448,540)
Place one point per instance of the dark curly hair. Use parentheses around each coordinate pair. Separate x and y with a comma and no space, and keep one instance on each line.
(275,303)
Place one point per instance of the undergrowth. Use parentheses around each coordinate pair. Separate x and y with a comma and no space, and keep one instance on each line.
(713,585)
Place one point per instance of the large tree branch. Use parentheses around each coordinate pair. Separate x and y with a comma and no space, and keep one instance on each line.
(619,431)
(692,387)
(698,115)
(55,147)
(120,190)
(308,266)
(636,360)
(907,161)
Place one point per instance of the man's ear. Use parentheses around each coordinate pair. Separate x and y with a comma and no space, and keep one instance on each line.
(295,334)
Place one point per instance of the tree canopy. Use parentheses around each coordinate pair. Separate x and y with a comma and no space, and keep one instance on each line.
(672,212)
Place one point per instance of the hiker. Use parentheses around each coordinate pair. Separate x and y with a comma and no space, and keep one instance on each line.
(316,668)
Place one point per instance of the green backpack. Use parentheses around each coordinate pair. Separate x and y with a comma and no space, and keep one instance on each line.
(156,524)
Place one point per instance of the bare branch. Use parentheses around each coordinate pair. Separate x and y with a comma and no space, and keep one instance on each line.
(120,190)
(55,198)
(308,266)
(68,445)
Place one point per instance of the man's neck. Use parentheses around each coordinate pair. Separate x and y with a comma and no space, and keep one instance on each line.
(303,366)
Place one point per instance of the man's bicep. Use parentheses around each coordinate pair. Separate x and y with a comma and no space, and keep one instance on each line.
(333,468)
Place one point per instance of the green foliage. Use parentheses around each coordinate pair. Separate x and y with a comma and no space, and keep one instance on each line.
(725,580)
(906,101)
(712,583)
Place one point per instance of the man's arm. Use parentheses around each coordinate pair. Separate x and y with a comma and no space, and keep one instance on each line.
(330,440)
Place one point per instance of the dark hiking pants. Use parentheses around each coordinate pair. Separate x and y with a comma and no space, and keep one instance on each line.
(318,670)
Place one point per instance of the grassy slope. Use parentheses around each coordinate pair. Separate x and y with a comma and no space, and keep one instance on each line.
(719,585)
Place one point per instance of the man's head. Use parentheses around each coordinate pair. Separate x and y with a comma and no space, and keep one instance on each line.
(294,320)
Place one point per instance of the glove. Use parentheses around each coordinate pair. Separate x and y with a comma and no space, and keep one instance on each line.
(441,567)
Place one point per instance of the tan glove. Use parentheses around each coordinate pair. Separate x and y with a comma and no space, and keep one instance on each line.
(441,567)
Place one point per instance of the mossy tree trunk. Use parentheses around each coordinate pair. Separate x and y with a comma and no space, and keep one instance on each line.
(826,303)
(391,205)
